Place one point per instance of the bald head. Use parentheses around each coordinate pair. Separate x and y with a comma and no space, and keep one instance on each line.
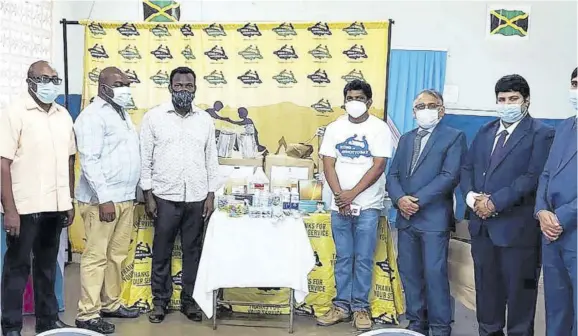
(41,68)
(110,78)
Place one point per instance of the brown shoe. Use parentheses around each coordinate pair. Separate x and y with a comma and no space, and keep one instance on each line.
(362,321)
(333,316)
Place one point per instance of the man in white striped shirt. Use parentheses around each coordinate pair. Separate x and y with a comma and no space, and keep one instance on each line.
(108,146)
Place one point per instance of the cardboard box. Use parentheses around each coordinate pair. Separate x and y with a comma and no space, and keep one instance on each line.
(285,161)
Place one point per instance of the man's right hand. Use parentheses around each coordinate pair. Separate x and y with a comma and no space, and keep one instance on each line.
(151,207)
(12,224)
(106,212)
(408,205)
(345,211)
(549,225)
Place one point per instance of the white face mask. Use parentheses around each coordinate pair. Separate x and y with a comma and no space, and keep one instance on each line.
(427,118)
(355,108)
(121,96)
(573,97)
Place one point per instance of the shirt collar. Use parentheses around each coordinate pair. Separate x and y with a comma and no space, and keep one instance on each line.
(428,130)
(510,128)
(171,109)
(31,104)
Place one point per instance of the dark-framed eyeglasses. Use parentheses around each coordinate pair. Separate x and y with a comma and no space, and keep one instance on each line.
(47,79)
(430,106)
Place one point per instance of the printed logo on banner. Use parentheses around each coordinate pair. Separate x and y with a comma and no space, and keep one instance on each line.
(383,292)
(250,77)
(188,53)
(285,77)
(132,76)
(215,78)
(353,75)
(251,53)
(98,51)
(286,52)
(177,251)
(320,52)
(142,278)
(160,31)
(316,285)
(216,53)
(94,74)
(161,78)
(319,77)
(355,52)
(333,258)
(249,30)
(285,30)
(143,251)
(162,53)
(142,305)
(355,29)
(131,105)
(127,271)
(317,230)
(386,268)
(128,30)
(320,29)
(317,260)
(269,290)
(178,279)
(322,106)
(130,53)
(96,29)
(354,148)
(215,30)
(187,31)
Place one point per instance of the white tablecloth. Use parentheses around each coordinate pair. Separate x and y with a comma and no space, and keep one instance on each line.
(253,252)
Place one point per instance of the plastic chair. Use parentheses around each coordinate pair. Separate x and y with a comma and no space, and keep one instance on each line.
(391,332)
(70,332)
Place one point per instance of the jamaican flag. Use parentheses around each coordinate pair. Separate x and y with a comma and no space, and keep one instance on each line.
(509,22)
(161,10)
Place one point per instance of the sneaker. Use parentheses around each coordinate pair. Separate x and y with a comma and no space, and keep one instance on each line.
(97,324)
(122,312)
(333,316)
(362,321)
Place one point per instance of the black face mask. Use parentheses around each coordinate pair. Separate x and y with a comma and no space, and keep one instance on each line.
(183,99)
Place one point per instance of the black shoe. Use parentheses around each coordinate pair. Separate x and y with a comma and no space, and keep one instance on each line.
(157,315)
(13,333)
(97,324)
(191,312)
(43,326)
(122,312)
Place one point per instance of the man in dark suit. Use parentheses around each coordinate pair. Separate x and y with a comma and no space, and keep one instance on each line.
(556,210)
(499,179)
(421,180)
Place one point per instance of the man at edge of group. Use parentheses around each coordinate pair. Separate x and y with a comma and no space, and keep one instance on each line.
(37,151)
(179,178)
(355,149)
(110,169)
(421,181)
(556,211)
(499,181)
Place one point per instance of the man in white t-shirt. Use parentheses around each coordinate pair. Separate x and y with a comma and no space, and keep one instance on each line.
(355,150)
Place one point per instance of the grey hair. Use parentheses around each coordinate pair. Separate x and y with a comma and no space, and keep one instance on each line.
(434,94)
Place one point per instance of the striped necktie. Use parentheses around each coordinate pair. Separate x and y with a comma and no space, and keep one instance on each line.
(417,148)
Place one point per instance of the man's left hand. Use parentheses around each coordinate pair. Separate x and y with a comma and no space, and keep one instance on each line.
(481,206)
(69,217)
(209,207)
(344,198)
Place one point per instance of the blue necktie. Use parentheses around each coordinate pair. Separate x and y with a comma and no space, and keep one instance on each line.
(499,149)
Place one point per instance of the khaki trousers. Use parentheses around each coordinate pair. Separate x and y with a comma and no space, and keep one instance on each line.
(105,250)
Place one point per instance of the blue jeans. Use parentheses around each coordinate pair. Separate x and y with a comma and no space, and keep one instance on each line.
(355,239)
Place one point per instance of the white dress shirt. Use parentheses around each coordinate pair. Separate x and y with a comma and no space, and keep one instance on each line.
(179,154)
(471,197)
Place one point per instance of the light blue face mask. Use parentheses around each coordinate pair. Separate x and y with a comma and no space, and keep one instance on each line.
(46,93)
(510,113)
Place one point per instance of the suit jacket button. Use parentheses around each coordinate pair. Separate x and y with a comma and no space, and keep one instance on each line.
(484,174)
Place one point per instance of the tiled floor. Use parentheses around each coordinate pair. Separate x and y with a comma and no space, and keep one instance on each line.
(176,324)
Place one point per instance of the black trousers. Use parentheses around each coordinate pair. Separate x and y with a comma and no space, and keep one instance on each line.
(39,234)
(506,279)
(172,217)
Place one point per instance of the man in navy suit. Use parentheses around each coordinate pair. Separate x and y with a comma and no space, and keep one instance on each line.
(421,180)
(499,179)
(556,210)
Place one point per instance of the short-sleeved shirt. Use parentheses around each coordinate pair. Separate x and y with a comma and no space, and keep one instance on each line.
(39,143)
(354,146)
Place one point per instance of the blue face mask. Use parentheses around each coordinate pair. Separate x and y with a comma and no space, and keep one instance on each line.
(510,113)
(46,93)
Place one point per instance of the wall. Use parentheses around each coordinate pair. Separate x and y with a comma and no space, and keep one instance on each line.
(474,64)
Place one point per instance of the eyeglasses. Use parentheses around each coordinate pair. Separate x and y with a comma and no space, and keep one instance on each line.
(46,79)
(430,106)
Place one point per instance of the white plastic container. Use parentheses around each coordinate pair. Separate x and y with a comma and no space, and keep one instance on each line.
(258,181)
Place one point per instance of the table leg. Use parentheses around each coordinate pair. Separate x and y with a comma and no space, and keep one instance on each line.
(215,294)
(291,309)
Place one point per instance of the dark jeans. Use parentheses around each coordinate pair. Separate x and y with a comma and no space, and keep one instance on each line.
(39,234)
(172,217)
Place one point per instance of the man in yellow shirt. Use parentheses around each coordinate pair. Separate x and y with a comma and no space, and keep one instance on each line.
(37,151)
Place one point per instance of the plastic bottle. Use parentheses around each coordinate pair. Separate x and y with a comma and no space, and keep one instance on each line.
(294,199)
(258,181)
(286,199)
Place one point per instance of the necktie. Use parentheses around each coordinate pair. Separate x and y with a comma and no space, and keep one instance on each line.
(499,147)
(417,148)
